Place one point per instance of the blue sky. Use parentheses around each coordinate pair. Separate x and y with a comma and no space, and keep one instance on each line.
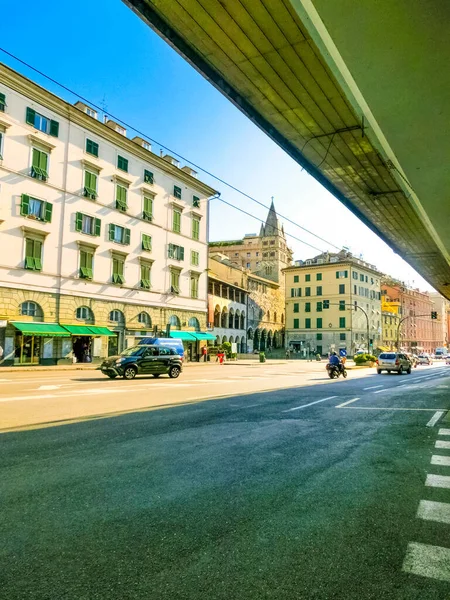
(104,52)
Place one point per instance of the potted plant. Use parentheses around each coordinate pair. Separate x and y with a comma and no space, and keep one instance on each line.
(262,357)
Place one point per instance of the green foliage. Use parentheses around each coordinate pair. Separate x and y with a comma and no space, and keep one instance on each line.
(262,357)
(362,358)
(226,347)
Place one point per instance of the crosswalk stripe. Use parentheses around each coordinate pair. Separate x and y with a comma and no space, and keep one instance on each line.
(437,459)
(427,561)
(434,511)
(443,431)
(440,481)
(442,444)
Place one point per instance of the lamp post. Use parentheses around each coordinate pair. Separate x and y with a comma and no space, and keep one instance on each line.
(367,319)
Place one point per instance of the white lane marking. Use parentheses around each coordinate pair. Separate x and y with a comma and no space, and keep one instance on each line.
(373,387)
(440,481)
(348,402)
(435,418)
(49,387)
(387,408)
(437,459)
(434,511)
(427,561)
(444,431)
(388,390)
(442,444)
(309,404)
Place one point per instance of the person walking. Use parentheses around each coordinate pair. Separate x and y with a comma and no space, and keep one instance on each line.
(221,356)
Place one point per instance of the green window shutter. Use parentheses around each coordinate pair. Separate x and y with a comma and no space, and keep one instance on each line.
(319,276)
(127,235)
(148,208)
(43,161)
(307,323)
(37,255)
(295,278)
(54,128)
(308,307)
(78,221)
(319,323)
(307,277)
(29,262)
(148,176)
(25,205)
(2,102)
(195,229)
(337,274)
(319,336)
(346,273)
(91,147)
(31,114)
(177,192)
(122,163)
(97,227)
(296,307)
(35,158)
(48,209)
(112,231)
(176,221)
(319,307)
(146,242)
(196,201)
(342,322)
(181,253)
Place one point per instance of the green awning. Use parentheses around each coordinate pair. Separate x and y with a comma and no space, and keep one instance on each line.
(78,329)
(41,329)
(101,331)
(183,335)
(200,335)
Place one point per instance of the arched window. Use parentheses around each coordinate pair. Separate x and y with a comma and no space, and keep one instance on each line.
(224,318)
(31,309)
(84,313)
(194,322)
(237,320)
(174,322)
(116,316)
(144,319)
(217,316)
(242,320)
(231,319)
(250,333)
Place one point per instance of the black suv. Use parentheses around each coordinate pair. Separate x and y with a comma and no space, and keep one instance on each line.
(152,360)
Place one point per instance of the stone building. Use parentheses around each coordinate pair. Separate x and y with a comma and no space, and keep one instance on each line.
(101,239)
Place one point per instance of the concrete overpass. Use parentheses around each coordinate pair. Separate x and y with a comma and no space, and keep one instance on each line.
(356,91)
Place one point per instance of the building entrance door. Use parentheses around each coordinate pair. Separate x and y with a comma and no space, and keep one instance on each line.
(27,349)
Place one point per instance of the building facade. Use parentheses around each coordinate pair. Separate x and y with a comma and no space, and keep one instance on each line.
(333,301)
(265,255)
(440,326)
(101,239)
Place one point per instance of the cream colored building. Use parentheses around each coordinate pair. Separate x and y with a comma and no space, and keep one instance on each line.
(327,299)
(101,239)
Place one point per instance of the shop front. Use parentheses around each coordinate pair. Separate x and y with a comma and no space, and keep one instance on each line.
(87,342)
(35,343)
(193,341)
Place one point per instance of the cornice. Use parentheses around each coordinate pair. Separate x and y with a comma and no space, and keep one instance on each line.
(36,93)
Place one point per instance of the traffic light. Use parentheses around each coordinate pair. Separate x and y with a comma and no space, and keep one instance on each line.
(434,314)
(326,304)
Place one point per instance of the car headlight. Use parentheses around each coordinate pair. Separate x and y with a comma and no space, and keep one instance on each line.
(119,361)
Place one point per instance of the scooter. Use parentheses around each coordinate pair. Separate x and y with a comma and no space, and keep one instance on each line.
(334,371)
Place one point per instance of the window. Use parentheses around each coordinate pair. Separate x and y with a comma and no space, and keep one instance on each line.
(342,322)
(116,316)
(31,309)
(265,243)
(318,276)
(87,224)
(39,165)
(319,336)
(296,278)
(144,319)
(355,275)
(147,212)
(355,289)
(118,264)
(195,258)
(307,323)
(86,263)
(42,123)
(342,288)
(308,307)
(84,313)
(296,292)
(121,197)
(91,147)
(265,254)
(174,321)
(272,254)
(319,323)
(2,102)
(33,254)
(248,266)
(176,220)
(1,145)
(296,323)
(148,176)
(308,291)
(195,201)
(122,163)
(361,277)
(307,277)
(145,275)
(177,192)
(118,234)
(176,252)
(175,281)
(146,242)
(296,307)
(196,230)
(342,337)
(272,242)
(36,209)
(194,285)
(341,304)
(319,306)
(90,185)
(341,274)
(319,290)
(248,254)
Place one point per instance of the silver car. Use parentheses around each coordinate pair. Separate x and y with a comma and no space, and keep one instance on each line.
(393,361)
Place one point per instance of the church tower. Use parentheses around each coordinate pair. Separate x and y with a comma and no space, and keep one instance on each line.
(275,253)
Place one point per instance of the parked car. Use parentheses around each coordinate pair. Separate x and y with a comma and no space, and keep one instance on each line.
(142,360)
(424,359)
(393,361)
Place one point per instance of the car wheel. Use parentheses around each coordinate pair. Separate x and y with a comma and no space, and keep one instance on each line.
(409,371)
(379,371)
(129,373)
(156,375)
(400,371)
(174,372)
(112,375)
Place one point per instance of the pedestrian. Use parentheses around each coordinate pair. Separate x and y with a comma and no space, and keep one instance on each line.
(288,353)
(204,353)
(221,356)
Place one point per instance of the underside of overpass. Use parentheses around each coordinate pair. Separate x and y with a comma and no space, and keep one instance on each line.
(357,92)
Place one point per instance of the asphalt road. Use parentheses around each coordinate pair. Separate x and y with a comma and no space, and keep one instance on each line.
(325,490)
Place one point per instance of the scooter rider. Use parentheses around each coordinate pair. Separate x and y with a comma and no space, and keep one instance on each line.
(335,360)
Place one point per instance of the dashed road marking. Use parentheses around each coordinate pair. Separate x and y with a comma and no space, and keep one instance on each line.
(443,431)
(348,402)
(443,461)
(373,387)
(309,404)
(49,387)
(434,511)
(427,561)
(440,481)
(435,418)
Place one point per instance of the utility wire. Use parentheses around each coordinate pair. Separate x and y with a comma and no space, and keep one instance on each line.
(99,108)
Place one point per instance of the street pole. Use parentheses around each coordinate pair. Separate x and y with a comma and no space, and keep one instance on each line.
(400,323)
(368,328)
